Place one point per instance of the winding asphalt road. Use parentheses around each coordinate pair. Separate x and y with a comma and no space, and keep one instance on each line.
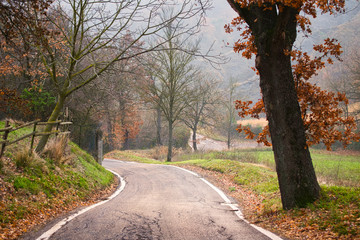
(208,144)
(159,202)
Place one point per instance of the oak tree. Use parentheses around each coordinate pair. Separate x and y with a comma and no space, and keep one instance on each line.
(269,29)
(323,117)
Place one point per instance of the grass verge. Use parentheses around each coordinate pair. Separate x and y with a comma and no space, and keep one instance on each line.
(35,189)
(131,156)
(332,168)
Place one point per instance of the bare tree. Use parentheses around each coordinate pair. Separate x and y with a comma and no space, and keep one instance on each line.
(229,104)
(114,101)
(201,107)
(85,28)
(346,79)
(172,74)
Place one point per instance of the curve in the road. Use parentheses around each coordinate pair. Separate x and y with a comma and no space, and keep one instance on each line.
(46,235)
(234,207)
(226,203)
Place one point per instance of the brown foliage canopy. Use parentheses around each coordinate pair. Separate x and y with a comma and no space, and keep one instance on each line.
(17,15)
(321,112)
(21,22)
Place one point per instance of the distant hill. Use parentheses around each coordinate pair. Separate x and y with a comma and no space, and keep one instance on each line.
(344,27)
(346,30)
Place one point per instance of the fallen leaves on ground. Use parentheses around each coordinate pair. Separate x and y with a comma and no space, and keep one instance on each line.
(39,209)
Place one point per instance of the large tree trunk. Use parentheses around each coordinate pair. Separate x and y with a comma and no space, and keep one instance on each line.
(297,180)
(296,175)
(274,32)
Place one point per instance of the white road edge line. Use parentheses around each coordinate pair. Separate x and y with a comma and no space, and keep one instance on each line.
(233,206)
(46,235)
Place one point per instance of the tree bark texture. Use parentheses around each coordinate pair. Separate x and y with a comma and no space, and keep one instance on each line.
(275,33)
(158,126)
(229,136)
(126,144)
(53,117)
(169,153)
(194,139)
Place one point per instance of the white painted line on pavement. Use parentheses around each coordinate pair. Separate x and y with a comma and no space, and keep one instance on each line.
(266,232)
(184,169)
(116,160)
(234,207)
(221,193)
(46,235)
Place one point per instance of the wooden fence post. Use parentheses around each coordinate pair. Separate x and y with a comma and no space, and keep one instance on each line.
(99,146)
(4,142)
(33,137)
(100,151)
(6,133)
(57,128)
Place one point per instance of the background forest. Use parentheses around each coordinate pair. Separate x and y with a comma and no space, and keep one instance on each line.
(120,101)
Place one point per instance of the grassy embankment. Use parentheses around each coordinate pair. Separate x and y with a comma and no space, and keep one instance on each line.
(36,188)
(249,176)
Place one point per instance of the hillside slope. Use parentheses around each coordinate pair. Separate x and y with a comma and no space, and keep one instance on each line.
(35,189)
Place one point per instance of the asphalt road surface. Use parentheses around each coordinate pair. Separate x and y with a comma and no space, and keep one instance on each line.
(208,144)
(159,202)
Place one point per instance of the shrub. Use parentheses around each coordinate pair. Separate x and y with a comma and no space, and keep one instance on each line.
(58,150)
(181,137)
(40,101)
(159,152)
(24,159)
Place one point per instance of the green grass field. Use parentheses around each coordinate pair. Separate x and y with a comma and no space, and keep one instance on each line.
(332,168)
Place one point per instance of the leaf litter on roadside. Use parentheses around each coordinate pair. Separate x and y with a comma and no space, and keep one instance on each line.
(336,221)
(21,210)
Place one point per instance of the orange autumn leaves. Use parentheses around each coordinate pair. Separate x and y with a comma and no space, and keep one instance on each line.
(321,110)
(245,44)
(323,117)
(126,125)
(309,7)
